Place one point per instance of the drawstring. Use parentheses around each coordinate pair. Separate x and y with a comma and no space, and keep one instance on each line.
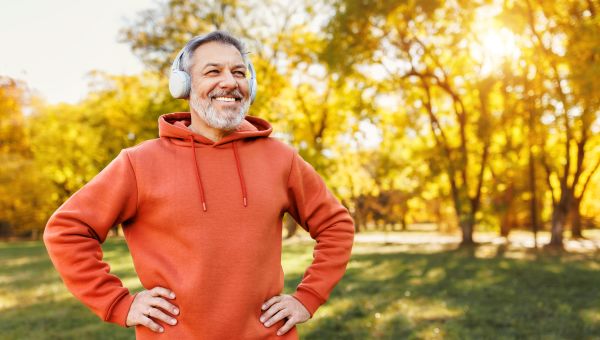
(242,183)
(239,170)
(198,179)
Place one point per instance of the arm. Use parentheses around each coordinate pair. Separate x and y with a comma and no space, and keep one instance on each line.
(75,231)
(329,223)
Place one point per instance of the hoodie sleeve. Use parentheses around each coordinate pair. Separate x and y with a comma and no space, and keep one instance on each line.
(315,208)
(75,232)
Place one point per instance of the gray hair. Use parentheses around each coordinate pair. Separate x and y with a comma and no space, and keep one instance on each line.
(218,36)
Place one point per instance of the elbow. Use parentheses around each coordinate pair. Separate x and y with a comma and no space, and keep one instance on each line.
(348,224)
(49,234)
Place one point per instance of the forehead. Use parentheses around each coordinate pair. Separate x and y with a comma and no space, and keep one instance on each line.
(215,52)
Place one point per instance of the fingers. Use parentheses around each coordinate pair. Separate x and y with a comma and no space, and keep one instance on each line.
(158,314)
(146,321)
(162,303)
(269,313)
(281,307)
(149,306)
(271,301)
(279,316)
(287,326)
(161,291)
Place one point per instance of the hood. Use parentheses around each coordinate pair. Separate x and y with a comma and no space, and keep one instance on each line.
(174,126)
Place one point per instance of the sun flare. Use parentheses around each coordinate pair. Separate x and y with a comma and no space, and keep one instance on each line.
(492,47)
(491,43)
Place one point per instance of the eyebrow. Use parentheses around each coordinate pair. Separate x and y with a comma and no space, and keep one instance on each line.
(219,65)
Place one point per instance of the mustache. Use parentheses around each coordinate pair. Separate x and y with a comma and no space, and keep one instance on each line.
(220,93)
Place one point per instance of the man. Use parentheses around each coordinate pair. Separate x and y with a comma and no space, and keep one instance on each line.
(201,209)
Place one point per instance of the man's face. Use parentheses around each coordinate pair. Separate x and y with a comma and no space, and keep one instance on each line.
(219,92)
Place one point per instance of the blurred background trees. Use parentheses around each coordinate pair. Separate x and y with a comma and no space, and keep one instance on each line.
(470,115)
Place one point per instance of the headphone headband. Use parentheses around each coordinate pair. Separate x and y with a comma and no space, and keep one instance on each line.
(177,62)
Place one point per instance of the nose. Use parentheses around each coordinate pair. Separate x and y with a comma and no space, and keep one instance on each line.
(228,81)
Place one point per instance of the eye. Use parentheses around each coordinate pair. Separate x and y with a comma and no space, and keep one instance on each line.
(212,72)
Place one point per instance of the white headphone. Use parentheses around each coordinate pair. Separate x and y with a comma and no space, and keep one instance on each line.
(180,82)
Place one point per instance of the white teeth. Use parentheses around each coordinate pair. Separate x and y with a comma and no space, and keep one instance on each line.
(225,99)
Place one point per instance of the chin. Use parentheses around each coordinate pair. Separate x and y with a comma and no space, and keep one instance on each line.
(222,119)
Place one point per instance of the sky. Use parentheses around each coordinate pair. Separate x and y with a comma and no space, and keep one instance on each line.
(52,45)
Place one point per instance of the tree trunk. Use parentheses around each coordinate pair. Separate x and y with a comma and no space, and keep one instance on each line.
(403,222)
(466,225)
(506,223)
(533,207)
(358,220)
(35,234)
(439,218)
(576,219)
(559,217)
(507,220)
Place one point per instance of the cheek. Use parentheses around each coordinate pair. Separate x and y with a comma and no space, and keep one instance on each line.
(244,87)
(202,89)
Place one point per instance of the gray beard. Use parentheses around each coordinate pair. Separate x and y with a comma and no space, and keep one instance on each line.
(228,120)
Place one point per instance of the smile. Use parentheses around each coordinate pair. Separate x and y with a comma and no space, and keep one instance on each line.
(225,99)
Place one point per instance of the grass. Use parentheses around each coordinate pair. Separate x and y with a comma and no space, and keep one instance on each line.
(389,292)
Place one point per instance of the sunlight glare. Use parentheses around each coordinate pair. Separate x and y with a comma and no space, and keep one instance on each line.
(495,47)
(492,44)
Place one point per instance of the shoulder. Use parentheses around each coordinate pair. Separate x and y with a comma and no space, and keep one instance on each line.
(279,145)
(145,151)
(277,148)
(144,147)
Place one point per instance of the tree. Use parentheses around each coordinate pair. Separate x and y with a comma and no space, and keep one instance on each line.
(561,34)
(421,47)
(22,197)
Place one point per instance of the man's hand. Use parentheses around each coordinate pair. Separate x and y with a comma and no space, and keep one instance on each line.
(143,309)
(284,306)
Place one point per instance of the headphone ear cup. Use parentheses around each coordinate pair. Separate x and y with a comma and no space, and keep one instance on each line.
(252,83)
(179,84)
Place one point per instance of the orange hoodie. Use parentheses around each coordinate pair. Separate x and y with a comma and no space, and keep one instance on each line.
(203,219)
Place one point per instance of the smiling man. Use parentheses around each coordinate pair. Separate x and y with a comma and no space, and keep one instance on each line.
(201,208)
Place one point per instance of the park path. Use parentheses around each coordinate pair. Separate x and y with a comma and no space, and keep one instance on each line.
(517,239)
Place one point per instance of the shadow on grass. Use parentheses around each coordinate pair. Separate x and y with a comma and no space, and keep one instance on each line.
(386,293)
(66,319)
(455,295)
(27,265)
(34,303)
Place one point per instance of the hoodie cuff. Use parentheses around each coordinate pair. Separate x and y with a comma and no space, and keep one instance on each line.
(120,309)
(310,300)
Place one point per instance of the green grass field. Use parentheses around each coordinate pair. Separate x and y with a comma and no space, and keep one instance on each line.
(389,292)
